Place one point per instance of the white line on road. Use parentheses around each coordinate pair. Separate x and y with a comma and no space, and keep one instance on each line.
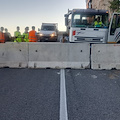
(63,100)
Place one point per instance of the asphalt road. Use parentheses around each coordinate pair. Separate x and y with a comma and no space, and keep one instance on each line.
(93,95)
(27,94)
(34,94)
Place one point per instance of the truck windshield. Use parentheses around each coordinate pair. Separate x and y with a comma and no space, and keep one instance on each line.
(89,21)
(50,28)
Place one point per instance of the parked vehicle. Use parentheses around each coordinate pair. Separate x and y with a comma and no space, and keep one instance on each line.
(81,27)
(49,32)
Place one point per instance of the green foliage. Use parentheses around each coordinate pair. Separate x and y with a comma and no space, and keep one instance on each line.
(115,5)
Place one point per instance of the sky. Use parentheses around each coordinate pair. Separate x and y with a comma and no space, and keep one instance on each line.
(35,12)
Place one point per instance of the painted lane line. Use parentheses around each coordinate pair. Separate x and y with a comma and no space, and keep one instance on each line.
(63,100)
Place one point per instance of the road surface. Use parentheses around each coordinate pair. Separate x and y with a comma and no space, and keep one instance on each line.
(39,94)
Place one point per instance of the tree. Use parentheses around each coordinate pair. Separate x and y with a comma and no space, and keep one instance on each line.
(115,5)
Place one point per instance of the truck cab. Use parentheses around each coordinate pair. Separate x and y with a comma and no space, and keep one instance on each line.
(114,29)
(80,24)
(48,32)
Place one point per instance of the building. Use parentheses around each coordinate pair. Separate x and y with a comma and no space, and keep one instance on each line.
(99,4)
(88,3)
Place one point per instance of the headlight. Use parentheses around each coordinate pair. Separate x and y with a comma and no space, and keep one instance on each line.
(41,34)
(52,35)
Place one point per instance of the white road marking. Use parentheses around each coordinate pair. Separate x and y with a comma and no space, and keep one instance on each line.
(63,100)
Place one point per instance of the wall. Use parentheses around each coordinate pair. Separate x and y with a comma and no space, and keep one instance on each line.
(100,4)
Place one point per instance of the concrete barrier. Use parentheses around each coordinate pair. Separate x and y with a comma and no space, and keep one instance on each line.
(59,55)
(105,56)
(14,55)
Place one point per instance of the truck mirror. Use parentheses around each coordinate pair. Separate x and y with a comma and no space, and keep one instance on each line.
(66,21)
(65,15)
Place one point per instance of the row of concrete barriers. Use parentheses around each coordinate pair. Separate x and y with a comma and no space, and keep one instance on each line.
(59,55)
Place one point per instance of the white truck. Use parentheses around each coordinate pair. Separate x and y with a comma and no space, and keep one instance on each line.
(80,26)
(49,32)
